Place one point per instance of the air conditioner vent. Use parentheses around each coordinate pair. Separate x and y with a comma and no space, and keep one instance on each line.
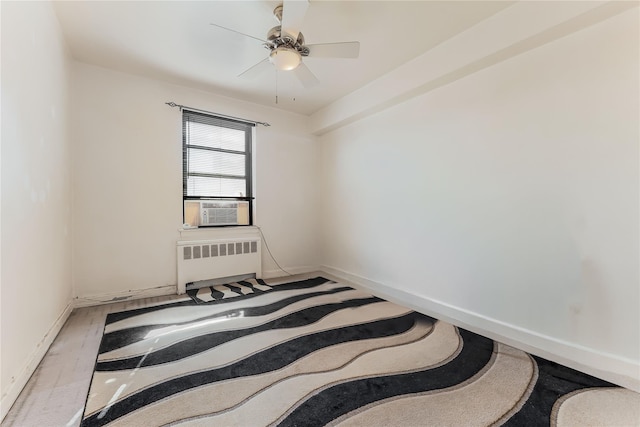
(216,212)
(217,205)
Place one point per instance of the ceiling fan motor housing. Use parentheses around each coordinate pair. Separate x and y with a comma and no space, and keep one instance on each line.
(276,39)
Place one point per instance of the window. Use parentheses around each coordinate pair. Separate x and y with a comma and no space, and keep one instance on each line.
(216,165)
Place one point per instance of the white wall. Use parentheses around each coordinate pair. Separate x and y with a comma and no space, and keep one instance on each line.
(128,181)
(36,190)
(506,201)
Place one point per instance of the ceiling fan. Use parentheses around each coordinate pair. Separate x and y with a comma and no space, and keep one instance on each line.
(287,46)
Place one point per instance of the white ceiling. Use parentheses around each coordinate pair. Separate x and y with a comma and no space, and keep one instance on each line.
(174,41)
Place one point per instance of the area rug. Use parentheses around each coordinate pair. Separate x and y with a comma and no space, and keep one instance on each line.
(314,353)
(207,294)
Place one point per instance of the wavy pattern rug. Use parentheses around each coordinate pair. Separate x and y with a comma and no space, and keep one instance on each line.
(314,353)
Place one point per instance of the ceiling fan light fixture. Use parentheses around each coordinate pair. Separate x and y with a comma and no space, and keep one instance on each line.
(285,59)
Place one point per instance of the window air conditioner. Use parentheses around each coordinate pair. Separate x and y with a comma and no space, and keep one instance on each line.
(216,212)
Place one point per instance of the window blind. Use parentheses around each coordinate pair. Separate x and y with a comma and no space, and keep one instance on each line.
(216,157)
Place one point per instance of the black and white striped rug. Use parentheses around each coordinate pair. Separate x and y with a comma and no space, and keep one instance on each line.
(208,294)
(314,353)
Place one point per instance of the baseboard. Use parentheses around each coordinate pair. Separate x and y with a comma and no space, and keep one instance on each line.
(619,370)
(290,271)
(124,296)
(20,381)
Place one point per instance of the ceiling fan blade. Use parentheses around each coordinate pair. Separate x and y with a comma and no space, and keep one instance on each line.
(237,32)
(334,50)
(255,70)
(306,77)
(293,12)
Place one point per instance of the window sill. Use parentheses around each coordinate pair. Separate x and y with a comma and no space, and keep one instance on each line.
(218,232)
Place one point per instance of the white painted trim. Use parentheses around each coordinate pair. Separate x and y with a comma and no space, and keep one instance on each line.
(619,370)
(20,381)
(214,233)
(124,295)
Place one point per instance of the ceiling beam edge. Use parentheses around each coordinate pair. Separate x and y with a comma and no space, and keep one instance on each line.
(517,29)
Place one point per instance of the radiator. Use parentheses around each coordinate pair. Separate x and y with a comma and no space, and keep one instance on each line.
(213,259)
